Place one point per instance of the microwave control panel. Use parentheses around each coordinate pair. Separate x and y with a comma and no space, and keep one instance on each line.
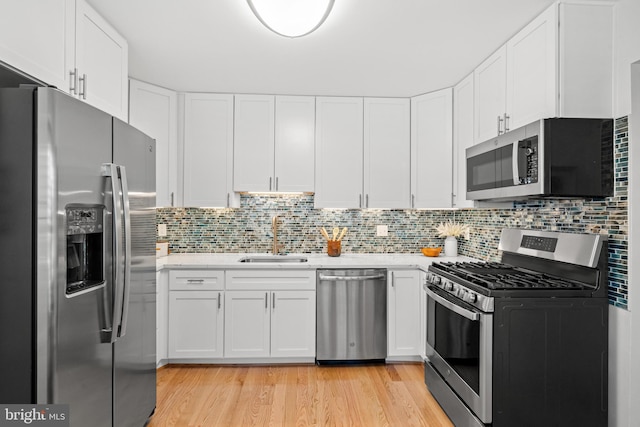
(528,160)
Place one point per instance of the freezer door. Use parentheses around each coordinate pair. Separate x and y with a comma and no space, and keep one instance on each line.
(135,349)
(73,359)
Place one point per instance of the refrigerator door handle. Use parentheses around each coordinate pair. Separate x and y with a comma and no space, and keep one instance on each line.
(126,220)
(110,170)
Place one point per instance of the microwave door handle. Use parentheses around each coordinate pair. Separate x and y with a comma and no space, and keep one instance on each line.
(126,221)
(515,163)
(453,307)
(110,170)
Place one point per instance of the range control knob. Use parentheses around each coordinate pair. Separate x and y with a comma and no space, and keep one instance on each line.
(434,279)
(470,297)
(448,286)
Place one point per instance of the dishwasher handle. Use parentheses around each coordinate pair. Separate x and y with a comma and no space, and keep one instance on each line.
(351,278)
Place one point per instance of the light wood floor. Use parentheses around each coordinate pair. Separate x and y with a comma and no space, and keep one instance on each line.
(235,396)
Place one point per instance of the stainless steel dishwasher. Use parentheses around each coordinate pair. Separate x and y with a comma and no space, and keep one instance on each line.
(351,316)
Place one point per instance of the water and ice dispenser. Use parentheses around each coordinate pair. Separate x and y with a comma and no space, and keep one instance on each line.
(85,248)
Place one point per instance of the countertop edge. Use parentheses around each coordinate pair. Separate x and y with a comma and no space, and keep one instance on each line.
(230,261)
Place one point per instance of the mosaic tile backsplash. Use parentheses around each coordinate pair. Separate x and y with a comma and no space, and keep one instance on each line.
(248,228)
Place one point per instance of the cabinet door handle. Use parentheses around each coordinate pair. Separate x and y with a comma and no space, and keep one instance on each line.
(270,179)
(500,125)
(228,203)
(276,183)
(172,199)
(219,302)
(506,122)
(273,300)
(413,200)
(367,201)
(359,200)
(198,281)
(82,82)
(73,81)
(266,300)
(393,280)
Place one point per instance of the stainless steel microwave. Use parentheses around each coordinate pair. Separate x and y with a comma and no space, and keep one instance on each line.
(554,158)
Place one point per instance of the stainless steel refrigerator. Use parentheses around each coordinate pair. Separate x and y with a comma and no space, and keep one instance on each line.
(77,259)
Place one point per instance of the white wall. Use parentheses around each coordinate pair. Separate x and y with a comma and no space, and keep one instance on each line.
(624,349)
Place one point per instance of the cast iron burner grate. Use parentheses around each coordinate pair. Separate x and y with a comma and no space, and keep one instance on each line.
(498,276)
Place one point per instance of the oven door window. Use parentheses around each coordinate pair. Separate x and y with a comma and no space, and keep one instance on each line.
(457,340)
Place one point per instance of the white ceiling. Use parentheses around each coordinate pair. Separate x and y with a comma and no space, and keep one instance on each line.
(365,48)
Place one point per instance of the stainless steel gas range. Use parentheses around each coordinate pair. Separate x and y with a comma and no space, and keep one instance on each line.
(522,342)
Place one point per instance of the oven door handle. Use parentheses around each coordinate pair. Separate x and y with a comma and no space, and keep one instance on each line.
(453,307)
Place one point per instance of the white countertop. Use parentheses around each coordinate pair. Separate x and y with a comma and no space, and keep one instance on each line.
(229,261)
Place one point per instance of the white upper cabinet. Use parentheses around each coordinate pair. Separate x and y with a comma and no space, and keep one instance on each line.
(295,143)
(101,63)
(254,143)
(462,139)
(557,66)
(208,151)
(585,73)
(387,153)
(362,153)
(431,149)
(531,71)
(66,44)
(274,143)
(339,145)
(37,37)
(154,110)
(490,95)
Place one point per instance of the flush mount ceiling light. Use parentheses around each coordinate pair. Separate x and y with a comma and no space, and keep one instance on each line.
(291,18)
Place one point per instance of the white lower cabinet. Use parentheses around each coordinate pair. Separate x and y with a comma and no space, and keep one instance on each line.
(196,314)
(293,324)
(247,324)
(195,330)
(423,315)
(162,312)
(270,324)
(270,314)
(404,314)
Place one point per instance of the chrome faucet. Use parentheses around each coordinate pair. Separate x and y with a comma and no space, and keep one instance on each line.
(275,249)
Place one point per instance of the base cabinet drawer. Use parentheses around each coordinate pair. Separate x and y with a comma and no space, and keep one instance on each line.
(197,280)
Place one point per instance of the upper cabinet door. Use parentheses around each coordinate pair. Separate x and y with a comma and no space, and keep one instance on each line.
(462,139)
(339,128)
(531,71)
(253,158)
(101,62)
(208,150)
(37,37)
(387,153)
(154,110)
(431,149)
(490,95)
(295,143)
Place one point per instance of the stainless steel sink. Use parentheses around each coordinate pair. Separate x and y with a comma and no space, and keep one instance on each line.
(274,259)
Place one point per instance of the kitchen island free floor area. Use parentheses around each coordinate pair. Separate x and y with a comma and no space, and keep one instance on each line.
(295,395)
